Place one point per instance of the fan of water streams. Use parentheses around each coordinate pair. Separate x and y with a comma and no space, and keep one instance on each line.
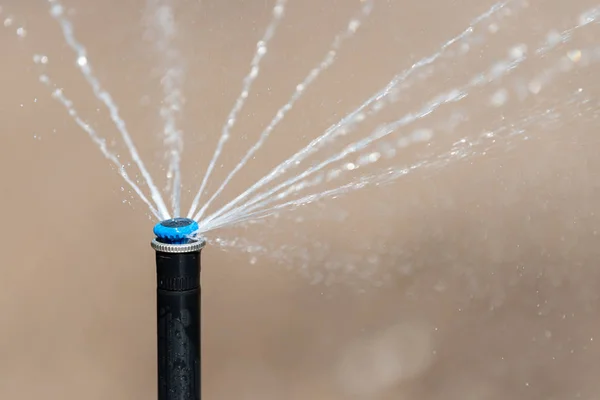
(482,89)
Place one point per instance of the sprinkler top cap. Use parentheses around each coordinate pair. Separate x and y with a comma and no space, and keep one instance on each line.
(175,230)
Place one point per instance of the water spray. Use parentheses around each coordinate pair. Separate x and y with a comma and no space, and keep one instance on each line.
(178,310)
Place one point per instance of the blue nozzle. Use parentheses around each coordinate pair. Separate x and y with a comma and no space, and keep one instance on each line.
(175,230)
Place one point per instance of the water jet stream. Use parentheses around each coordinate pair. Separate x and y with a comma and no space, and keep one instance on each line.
(355,116)
(496,71)
(327,61)
(261,51)
(461,149)
(258,205)
(160,18)
(57,12)
(68,104)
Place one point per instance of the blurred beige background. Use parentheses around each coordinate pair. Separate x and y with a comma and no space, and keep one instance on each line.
(475,279)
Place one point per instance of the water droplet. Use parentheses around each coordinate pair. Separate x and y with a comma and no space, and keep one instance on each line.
(8,21)
(498,70)
(56,10)
(354,25)
(350,166)
(40,59)
(253,260)
(499,98)
(518,51)
(373,157)
(278,11)
(21,32)
(82,61)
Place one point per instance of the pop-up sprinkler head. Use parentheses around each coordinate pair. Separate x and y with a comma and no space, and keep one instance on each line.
(178,308)
(175,230)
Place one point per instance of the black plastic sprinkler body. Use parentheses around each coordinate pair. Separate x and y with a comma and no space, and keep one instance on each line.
(178,309)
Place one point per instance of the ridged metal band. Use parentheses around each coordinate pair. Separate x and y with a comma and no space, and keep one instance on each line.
(195,245)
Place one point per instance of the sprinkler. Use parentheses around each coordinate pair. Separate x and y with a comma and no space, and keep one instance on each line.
(178,308)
